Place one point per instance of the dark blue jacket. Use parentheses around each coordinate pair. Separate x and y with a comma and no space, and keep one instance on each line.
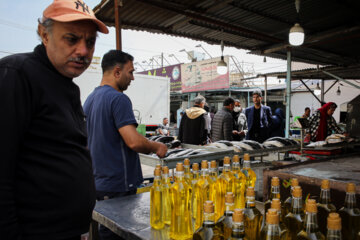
(265,120)
(278,126)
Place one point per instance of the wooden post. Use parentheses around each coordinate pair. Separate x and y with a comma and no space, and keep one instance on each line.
(117,5)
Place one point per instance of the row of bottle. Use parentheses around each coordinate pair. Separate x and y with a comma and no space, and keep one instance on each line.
(179,204)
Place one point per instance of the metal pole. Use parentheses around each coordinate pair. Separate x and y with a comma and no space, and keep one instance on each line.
(288,93)
(265,91)
(162,60)
(117,5)
(322,90)
(248,99)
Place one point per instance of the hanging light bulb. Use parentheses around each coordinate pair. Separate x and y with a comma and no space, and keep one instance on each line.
(222,66)
(317,90)
(338,92)
(296,35)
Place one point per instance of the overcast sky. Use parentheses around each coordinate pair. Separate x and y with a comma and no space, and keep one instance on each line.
(18,23)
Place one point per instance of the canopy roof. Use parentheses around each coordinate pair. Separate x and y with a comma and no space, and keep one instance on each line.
(332,27)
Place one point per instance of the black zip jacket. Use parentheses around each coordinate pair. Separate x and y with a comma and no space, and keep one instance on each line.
(46,182)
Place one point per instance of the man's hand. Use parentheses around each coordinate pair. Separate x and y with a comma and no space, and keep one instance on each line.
(235,132)
(242,133)
(161,150)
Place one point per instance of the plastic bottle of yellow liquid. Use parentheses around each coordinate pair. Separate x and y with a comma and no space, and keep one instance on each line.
(239,183)
(350,214)
(248,172)
(166,184)
(287,203)
(284,234)
(324,206)
(238,228)
(253,216)
(187,172)
(310,229)
(209,230)
(227,219)
(295,218)
(333,227)
(214,174)
(156,202)
(271,230)
(194,200)
(202,193)
(180,193)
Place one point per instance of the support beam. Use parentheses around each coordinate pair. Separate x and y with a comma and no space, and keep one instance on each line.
(265,93)
(310,90)
(322,91)
(117,5)
(331,86)
(341,79)
(288,93)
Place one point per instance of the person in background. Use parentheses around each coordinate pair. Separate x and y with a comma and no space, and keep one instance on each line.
(322,123)
(46,183)
(278,124)
(306,113)
(113,140)
(212,112)
(163,127)
(193,128)
(208,123)
(240,124)
(222,124)
(258,119)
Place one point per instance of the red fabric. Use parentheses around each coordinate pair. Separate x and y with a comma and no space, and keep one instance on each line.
(322,130)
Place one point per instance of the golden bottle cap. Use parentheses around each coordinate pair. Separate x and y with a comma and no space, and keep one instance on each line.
(250,192)
(208,207)
(325,184)
(186,162)
(195,167)
(165,169)
(334,221)
(350,188)
(294,182)
(276,204)
(238,215)
(272,216)
(297,192)
(204,164)
(179,167)
(226,160)
(229,197)
(236,158)
(213,164)
(157,172)
(246,157)
(275,181)
(311,206)
(158,165)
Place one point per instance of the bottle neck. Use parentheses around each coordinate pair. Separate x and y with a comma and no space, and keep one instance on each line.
(157,180)
(226,168)
(250,202)
(238,230)
(350,200)
(273,230)
(280,216)
(229,209)
(209,219)
(179,176)
(333,234)
(311,224)
(186,170)
(204,172)
(246,164)
(325,196)
(236,166)
(196,174)
(296,205)
(275,192)
(165,178)
(214,172)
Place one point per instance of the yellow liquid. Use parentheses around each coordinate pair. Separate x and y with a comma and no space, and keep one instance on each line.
(166,200)
(156,206)
(294,223)
(226,225)
(194,198)
(239,189)
(224,184)
(250,176)
(202,193)
(181,225)
(310,236)
(270,234)
(187,175)
(209,232)
(252,222)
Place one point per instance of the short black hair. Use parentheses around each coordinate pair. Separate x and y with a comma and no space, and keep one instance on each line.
(113,58)
(258,92)
(228,101)
(307,108)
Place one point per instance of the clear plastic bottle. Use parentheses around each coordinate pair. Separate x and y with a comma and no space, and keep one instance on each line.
(239,183)
(310,229)
(333,227)
(248,172)
(324,205)
(229,210)
(156,202)
(287,203)
(194,200)
(214,174)
(284,234)
(180,193)
(295,218)
(238,227)
(253,216)
(271,230)
(202,192)
(166,184)
(350,214)
(187,172)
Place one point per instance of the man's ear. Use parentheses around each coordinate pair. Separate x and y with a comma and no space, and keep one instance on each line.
(116,71)
(44,35)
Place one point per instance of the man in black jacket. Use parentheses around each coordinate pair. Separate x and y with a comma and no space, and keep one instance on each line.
(46,180)
(193,128)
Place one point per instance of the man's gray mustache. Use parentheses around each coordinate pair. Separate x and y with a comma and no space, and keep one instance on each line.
(80,59)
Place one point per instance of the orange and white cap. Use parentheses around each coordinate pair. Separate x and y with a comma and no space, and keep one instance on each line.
(72,10)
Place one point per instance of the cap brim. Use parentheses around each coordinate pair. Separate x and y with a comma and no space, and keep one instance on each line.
(77,17)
